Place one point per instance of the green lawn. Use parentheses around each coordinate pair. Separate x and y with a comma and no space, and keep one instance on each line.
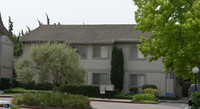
(14,91)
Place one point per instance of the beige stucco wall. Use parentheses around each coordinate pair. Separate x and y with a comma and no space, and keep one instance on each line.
(7,57)
(152,71)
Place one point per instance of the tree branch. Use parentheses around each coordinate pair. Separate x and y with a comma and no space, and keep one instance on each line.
(189,2)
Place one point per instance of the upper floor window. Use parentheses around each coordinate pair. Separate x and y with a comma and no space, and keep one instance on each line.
(135,53)
(100,52)
(81,50)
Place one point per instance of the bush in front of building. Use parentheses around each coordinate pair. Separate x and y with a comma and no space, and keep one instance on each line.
(149,86)
(5,83)
(133,90)
(150,91)
(87,90)
(59,100)
(144,97)
(195,98)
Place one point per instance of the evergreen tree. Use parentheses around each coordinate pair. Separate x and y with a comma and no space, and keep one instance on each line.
(10,28)
(1,21)
(22,32)
(117,68)
(48,20)
(29,30)
(40,23)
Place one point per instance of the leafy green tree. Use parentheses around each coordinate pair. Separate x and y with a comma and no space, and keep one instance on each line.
(10,28)
(51,62)
(117,68)
(18,48)
(175,28)
(48,20)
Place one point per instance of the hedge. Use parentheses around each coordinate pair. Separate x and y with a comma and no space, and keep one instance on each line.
(86,90)
(5,83)
(149,86)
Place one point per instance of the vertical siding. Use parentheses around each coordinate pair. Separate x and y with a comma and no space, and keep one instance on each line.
(6,73)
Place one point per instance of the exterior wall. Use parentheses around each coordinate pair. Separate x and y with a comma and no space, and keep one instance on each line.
(152,71)
(7,56)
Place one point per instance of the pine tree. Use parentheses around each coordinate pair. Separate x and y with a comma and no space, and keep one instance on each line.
(29,30)
(48,20)
(40,23)
(10,28)
(1,21)
(117,68)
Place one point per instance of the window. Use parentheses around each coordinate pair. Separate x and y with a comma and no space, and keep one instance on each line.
(100,52)
(81,50)
(99,78)
(136,54)
(137,80)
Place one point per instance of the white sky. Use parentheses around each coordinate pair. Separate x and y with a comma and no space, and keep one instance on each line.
(26,12)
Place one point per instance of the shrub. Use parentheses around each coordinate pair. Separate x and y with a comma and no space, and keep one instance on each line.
(46,86)
(144,97)
(123,96)
(167,98)
(150,91)
(15,107)
(195,98)
(5,83)
(149,86)
(86,90)
(133,90)
(29,85)
(15,83)
(60,100)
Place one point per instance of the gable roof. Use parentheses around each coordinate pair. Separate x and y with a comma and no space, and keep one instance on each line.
(85,34)
(4,31)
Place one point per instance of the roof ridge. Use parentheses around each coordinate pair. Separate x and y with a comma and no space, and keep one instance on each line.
(91,25)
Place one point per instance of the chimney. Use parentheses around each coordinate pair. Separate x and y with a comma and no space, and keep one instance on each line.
(58,23)
(54,24)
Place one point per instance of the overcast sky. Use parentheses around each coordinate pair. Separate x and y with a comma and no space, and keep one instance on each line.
(26,12)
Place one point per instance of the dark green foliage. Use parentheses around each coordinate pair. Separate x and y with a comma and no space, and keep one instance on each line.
(133,90)
(29,30)
(123,96)
(46,86)
(60,100)
(117,68)
(5,83)
(18,48)
(87,90)
(48,20)
(29,85)
(10,27)
(149,86)
(144,98)
(195,98)
(185,87)
(15,107)
(21,90)
(15,83)
(40,23)
(166,98)
(1,21)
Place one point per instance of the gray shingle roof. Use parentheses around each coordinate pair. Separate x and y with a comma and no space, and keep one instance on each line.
(85,34)
(4,31)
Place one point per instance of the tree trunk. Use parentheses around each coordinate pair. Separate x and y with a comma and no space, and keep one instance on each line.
(54,86)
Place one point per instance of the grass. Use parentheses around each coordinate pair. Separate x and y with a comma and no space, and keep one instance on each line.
(21,90)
